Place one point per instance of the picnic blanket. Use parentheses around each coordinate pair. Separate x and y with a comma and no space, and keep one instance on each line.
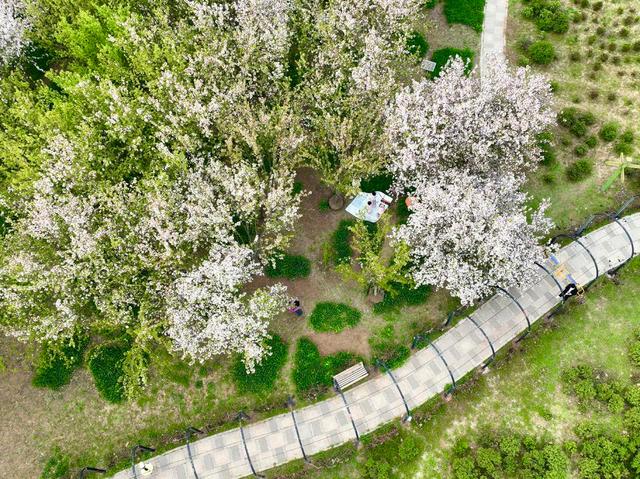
(360,208)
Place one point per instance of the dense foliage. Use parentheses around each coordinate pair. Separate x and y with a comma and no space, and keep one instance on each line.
(56,364)
(467,12)
(313,372)
(289,266)
(106,363)
(266,373)
(333,317)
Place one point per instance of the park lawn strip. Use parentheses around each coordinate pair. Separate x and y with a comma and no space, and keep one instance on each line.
(331,317)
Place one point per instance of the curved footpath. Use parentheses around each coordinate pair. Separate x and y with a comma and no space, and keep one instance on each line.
(260,446)
(492,42)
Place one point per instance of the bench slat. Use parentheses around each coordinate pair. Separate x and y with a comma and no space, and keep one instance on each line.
(350,376)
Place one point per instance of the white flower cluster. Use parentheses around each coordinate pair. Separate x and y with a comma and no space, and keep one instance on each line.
(13,27)
(460,148)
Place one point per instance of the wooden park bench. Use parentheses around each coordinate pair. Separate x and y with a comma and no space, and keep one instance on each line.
(350,376)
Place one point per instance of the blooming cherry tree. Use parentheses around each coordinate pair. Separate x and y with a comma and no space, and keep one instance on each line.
(476,126)
(468,234)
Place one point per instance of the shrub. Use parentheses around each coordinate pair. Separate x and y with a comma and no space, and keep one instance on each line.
(579,170)
(549,16)
(591,141)
(634,353)
(576,121)
(333,317)
(542,52)
(341,247)
(627,137)
(323,205)
(581,150)
(410,448)
(380,182)
(266,373)
(106,366)
(385,347)
(466,12)
(544,141)
(56,364)
(405,295)
(290,267)
(622,148)
(402,211)
(609,131)
(430,4)
(442,56)
(311,371)
(417,46)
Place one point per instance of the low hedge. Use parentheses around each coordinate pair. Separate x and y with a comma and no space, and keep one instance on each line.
(417,46)
(405,295)
(314,372)
(542,52)
(106,366)
(266,373)
(341,248)
(289,266)
(579,170)
(466,12)
(381,182)
(333,317)
(442,56)
(56,366)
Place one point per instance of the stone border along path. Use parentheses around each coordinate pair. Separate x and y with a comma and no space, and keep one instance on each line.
(466,346)
(492,42)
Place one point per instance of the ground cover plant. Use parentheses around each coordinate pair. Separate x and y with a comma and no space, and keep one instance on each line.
(266,373)
(333,317)
(467,12)
(313,372)
(289,266)
(106,365)
(55,366)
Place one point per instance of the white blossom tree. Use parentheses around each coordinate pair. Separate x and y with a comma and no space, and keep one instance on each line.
(468,234)
(483,127)
(13,27)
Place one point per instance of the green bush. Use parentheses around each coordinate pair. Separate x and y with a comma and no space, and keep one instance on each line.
(548,15)
(581,150)
(622,148)
(609,131)
(579,170)
(341,248)
(313,372)
(402,211)
(56,364)
(442,56)
(289,266)
(417,46)
(106,366)
(380,182)
(591,141)
(333,317)
(627,137)
(542,52)
(266,373)
(385,347)
(323,205)
(405,295)
(576,121)
(544,141)
(466,12)
(430,4)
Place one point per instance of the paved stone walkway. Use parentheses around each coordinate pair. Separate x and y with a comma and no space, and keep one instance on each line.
(466,346)
(492,42)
